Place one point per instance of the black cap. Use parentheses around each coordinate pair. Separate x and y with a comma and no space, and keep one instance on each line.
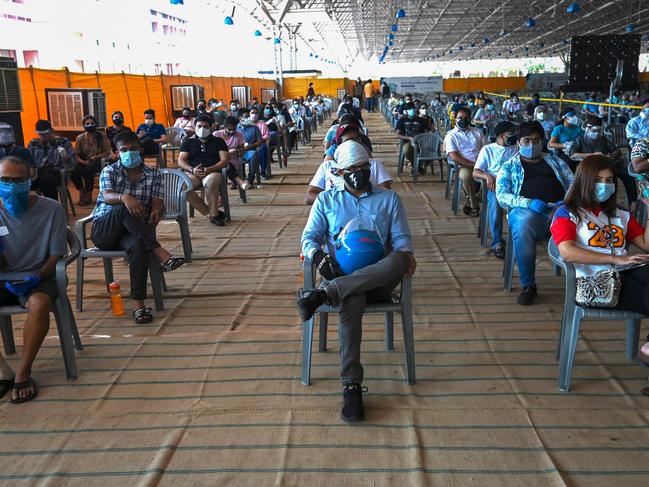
(43,127)
(502,127)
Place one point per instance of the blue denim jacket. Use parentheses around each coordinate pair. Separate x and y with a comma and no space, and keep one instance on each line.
(511,175)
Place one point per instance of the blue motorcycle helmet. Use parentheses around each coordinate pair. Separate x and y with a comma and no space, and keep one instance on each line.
(358,245)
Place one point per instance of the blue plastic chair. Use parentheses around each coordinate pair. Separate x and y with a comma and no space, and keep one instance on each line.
(572,316)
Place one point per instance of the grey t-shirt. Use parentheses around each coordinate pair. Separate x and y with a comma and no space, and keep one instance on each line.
(38,234)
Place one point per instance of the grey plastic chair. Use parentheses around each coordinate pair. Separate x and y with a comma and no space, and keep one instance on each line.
(176,186)
(428,147)
(155,273)
(453,179)
(572,316)
(63,315)
(175,137)
(65,198)
(402,306)
(224,195)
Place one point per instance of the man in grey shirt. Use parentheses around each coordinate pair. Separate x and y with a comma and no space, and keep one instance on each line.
(32,241)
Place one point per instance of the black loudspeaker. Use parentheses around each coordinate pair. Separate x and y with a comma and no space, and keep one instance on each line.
(593,61)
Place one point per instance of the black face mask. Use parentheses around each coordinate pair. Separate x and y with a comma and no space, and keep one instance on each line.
(358,180)
(509,141)
(90,128)
(463,123)
(118,121)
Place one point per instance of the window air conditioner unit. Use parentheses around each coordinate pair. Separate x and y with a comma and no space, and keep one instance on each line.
(185,96)
(10,100)
(66,107)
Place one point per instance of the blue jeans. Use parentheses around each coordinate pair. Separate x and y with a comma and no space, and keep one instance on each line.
(528,228)
(495,219)
(263,157)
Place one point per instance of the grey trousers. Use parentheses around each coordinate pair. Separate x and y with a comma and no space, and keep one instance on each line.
(352,293)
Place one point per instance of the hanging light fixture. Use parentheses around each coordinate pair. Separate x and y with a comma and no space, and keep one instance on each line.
(401,13)
(257,33)
(229,20)
(530,22)
(277,41)
(573,8)
(394,28)
(630,28)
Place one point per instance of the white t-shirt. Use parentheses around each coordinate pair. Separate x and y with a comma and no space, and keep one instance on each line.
(325,179)
(492,156)
(468,143)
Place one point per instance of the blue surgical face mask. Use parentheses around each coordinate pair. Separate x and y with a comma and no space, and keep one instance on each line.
(645,111)
(603,191)
(531,151)
(573,120)
(15,197)
(411,112)
(130,159)
(490,107)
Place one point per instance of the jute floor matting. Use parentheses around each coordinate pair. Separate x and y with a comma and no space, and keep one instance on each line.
(209,393)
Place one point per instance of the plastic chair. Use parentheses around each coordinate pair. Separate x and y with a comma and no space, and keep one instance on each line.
(65,198)
(65,322)
(224,196)
(176,186)
(174,141)
(155,273)
(572,316)
(453,178)
(402,306)
(428,147)
(483,222)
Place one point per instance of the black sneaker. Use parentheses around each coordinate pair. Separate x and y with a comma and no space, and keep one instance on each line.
(526,297)
(221,215)
(353,411)
(309,301)
(217,220)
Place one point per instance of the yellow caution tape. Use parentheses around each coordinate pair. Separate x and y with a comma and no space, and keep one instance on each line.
(566,100)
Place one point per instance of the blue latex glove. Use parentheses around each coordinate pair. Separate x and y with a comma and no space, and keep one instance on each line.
(2,247)
(538,206)
(24,287)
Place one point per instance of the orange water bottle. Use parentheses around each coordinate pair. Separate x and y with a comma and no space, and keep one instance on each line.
(116,303)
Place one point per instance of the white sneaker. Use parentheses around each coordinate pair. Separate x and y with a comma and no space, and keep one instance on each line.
(245,185)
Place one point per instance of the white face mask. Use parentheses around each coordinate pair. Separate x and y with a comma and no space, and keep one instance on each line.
(540,116)
(422,111)
(203,132)
(149,121)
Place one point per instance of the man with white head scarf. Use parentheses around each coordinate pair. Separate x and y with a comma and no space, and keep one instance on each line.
(376,212)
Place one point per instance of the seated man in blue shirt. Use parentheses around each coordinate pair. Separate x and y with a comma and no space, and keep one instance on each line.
(254,140)
(331,212)
(638,126)
(151,134)
(530,184)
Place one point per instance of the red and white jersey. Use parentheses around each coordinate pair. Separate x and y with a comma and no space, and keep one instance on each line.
(595,232)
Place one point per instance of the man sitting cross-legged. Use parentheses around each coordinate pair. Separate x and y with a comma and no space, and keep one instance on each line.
(32,241)
(332,211)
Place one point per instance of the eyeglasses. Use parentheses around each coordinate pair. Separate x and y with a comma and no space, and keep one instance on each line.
(353,169)
(530,140)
